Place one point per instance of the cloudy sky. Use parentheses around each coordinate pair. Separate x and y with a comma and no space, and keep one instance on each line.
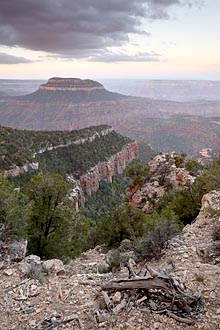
(159,39)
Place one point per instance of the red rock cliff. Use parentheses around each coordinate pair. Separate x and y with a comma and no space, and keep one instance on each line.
(105,170)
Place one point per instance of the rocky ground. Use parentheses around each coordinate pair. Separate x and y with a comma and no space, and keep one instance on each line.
(49,296)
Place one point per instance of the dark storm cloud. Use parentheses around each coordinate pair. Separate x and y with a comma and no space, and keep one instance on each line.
(10,59)
(77,28)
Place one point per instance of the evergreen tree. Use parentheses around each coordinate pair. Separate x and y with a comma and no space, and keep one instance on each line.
(14,211)
(53,226)
(138,174)
(126,222)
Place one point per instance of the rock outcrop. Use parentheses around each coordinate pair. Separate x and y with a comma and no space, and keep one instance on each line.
(105,170)
(165,165)
(164,174)
(18,170)
(206,156)
(12,251)
(147,196)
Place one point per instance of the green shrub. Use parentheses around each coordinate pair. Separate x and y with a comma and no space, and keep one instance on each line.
(192,166)
(179,159)
(126,222)
(126,245)
(116,260)
(181,202)
(163,227)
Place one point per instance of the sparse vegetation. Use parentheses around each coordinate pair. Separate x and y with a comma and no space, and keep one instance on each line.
(138,174)
(162,227)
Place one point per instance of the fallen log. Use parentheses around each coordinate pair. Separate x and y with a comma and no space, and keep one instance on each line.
(136,283)
(161,293)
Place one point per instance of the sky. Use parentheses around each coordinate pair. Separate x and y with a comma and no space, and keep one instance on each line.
(96,39)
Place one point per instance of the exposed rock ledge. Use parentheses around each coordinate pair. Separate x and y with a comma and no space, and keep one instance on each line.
(105,170)
(18,170)
(71,84)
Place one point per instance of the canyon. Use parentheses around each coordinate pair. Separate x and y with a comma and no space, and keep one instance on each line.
(84,158)
(73,103)
(106,170)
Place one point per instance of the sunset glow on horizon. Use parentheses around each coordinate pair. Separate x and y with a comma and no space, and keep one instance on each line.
(149,39)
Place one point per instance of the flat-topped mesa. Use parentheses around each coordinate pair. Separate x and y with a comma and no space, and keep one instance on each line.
(71,84)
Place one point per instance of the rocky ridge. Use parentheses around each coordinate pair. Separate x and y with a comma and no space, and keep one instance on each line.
(18,170)
(70,295)
(164,174)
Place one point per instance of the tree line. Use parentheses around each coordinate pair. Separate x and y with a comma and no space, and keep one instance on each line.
(42,212)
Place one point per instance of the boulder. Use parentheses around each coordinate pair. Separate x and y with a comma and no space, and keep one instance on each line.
(53,266)
(32,259)
(14,251)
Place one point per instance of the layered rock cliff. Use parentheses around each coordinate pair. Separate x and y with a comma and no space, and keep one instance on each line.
(84,157)
(66,91)
(105,170)
(71,84)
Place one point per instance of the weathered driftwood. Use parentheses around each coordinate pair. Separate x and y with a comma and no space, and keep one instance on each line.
(160,293)
(136,283)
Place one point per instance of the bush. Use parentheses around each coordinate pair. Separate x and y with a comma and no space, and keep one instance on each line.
(163,227)
(181,202)
(116,260)
(126,245)
(193,167)
(126,222)
(179,159)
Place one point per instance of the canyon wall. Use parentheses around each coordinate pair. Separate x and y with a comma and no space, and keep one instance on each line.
(105,170)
